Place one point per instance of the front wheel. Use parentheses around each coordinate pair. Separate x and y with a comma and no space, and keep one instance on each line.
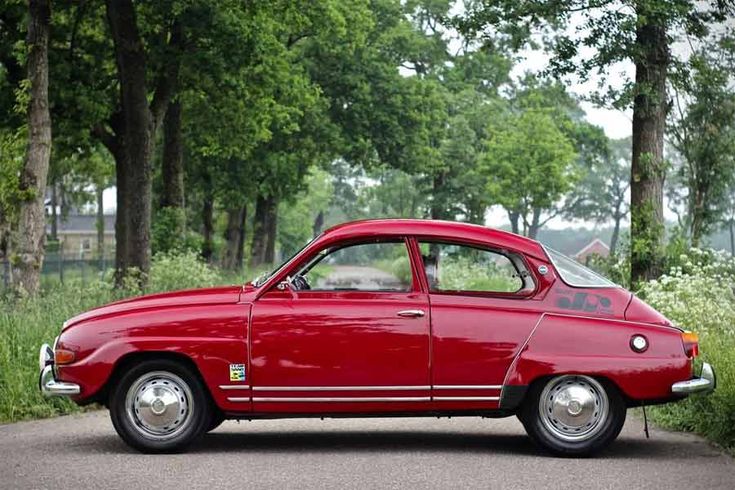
(573,415)
(159,406)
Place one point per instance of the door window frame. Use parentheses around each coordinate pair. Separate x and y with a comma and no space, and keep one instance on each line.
(506,252)
(416,279)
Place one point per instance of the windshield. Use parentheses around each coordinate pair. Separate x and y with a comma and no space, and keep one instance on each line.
(260,280)
(575,274)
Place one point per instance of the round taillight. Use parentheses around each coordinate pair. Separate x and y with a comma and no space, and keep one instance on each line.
(639,343)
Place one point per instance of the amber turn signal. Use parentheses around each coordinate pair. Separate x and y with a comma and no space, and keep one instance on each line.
(691,343)
(63,356)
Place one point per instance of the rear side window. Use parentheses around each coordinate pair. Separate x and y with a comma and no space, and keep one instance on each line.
(575,274)
(463,268)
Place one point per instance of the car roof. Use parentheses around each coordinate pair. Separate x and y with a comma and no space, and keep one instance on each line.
(427,228)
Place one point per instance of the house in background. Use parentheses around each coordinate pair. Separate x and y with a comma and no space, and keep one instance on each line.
(77,234)
(595,247)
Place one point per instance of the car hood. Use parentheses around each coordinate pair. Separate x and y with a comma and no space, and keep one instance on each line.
(216,295)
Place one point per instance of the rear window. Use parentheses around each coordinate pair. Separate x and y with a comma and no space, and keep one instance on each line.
(575,274)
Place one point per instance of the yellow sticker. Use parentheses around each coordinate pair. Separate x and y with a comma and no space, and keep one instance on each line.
(237,372)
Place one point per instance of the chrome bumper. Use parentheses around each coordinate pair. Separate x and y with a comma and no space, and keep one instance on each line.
(47,382)
(705,383)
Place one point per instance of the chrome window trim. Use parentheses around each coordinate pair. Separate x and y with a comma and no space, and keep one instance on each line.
(612,285)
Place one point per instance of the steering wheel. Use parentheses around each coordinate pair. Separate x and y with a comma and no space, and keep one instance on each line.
(299,283)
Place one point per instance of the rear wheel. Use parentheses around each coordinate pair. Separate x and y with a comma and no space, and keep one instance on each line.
(573,415)
(159,406)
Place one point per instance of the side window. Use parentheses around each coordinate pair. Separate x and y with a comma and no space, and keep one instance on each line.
(457,268)
(375,266)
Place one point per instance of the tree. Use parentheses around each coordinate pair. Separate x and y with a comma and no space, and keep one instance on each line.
(702,130)
(28,258)
(602,193)
(529,164)
(641,31)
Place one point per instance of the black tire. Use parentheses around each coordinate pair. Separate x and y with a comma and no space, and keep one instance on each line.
(215,420)
(186,411)
(550,433)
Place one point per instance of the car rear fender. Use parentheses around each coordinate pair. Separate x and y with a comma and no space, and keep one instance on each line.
(562,344)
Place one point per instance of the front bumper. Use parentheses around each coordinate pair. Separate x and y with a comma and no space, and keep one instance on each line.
(47,380)
(705,383)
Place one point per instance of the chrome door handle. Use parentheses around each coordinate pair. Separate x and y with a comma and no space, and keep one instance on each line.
(411,313)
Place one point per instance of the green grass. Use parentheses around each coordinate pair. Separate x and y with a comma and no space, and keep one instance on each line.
(713,415)
(26,324)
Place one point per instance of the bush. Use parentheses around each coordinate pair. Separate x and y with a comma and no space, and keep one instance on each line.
(27,323)
(698,295)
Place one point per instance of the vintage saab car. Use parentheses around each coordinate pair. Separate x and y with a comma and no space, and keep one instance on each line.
(383,318)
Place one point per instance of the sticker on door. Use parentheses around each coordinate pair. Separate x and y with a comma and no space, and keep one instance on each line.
(237,372)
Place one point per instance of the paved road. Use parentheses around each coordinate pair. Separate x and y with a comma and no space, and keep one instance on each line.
(83,451)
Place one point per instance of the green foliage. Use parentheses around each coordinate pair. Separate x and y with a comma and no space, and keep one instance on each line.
(12,151)
(703,133)
(529,164)
(463,274)
(698,295)
(298,213)
(169,234)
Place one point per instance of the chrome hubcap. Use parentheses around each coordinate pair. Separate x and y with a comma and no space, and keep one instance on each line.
(574,408)
(159,404)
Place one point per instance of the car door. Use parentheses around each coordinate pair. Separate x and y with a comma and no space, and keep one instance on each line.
(350,334)
(481,315)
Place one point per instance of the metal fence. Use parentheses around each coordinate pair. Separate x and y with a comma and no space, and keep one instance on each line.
(59,268)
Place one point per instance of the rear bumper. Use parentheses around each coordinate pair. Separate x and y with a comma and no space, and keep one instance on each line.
(705,383)
(47,382)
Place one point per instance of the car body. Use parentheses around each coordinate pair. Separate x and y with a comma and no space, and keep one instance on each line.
(383,317)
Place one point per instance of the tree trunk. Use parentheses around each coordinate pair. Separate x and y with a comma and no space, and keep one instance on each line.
(135,171)
(32,215)
(732,238)
(234,238)
(100,225)
(272,228)
(534,226)
(135,136)
(54,213)
(173,158)
(615,234)
(696,219)
(648,166)
(318,224)
(438,210)
(207,227)
(513,218)
(258,244)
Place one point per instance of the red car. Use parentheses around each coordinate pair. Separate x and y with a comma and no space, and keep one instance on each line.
(383,317)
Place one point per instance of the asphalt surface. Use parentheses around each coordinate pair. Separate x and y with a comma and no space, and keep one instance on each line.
(83,451)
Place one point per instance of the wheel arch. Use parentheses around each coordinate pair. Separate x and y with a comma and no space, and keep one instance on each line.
(135,357)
